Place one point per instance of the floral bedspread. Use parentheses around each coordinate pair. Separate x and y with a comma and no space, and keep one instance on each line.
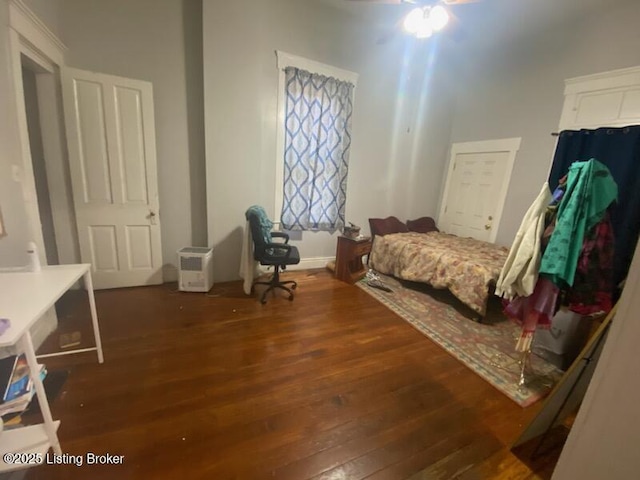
(466,266)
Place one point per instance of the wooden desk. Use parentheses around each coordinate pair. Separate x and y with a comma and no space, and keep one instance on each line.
(24,298)
(349,253)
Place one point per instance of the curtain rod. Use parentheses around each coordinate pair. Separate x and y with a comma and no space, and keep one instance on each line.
(609,129)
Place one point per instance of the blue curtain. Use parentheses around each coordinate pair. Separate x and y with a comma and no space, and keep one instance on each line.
(619,150)
(316,156)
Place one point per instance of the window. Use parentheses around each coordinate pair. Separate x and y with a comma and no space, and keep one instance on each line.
(314,140)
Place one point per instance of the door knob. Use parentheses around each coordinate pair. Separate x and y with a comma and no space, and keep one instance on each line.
(490,217)
(487,226)
(152,217)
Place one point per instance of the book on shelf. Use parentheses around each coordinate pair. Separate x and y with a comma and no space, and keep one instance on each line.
(12,421)
(17,383)
(6,370)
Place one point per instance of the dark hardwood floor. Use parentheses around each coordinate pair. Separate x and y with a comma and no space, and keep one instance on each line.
(330,386)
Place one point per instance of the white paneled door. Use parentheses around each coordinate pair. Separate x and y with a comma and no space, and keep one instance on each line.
(112,157)
(479,174)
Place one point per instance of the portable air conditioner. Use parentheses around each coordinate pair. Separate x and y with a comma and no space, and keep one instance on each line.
(195,269)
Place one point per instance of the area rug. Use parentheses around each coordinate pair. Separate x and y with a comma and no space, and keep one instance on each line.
(486,348)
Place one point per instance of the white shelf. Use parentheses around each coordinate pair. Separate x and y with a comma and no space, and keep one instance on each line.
(31,439)
(25,296)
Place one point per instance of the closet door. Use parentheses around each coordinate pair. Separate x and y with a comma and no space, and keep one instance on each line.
(479,174)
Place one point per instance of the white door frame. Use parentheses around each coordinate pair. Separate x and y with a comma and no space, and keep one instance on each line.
(29,36)
(509,145)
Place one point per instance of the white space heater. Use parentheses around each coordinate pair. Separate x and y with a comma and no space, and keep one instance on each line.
(195,269)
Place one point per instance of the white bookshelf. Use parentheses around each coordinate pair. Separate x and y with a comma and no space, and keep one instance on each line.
(31,439)
(24,298)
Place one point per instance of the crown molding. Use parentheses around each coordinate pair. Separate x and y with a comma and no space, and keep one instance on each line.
(620,78)
(603,75)
(24,21)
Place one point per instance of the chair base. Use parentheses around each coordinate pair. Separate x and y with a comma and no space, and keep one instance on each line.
(274,284)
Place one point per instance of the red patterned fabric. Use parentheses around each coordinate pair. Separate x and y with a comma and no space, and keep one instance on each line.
(534,311)
(592,290)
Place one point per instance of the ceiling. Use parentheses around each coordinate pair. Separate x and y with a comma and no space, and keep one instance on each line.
(489,21)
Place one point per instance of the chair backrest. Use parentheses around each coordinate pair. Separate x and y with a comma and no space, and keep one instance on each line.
(260,229)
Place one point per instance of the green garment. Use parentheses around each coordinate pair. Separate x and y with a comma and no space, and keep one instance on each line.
(590,190)
(265,224)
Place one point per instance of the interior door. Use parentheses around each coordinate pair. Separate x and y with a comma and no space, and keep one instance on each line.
(476,188)
(112,158)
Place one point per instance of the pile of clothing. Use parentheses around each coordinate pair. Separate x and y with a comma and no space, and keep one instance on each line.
(563,252)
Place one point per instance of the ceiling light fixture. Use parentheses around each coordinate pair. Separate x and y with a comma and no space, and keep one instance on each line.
(438,17)
(423,21)
(414,20)
(425,30)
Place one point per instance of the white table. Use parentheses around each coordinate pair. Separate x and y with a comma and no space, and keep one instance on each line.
(24,298)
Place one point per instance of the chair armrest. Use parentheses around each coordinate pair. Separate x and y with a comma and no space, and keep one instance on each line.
(283,246)
(281,235)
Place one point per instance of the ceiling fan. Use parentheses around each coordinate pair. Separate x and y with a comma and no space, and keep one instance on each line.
(427,16)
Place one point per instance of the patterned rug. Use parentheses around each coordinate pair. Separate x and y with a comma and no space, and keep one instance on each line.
(486,348)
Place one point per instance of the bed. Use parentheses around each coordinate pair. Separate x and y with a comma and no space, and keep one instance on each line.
(466,266)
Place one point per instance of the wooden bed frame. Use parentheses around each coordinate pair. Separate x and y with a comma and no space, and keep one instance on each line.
(392,225)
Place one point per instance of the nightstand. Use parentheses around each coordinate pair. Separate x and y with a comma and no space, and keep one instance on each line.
(349,253)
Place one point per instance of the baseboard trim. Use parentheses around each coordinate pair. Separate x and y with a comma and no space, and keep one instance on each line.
(169,273)
(313,262)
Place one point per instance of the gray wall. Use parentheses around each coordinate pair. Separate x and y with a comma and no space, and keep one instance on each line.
(400,124)
(518,91)
(160,42)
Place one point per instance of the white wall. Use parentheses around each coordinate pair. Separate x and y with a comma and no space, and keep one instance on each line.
(395,168)
(159,42)
(516,90)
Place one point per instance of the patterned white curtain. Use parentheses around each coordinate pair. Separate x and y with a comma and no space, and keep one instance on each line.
(316,157)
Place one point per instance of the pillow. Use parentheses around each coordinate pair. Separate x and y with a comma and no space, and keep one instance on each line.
(422,225)
(386,226)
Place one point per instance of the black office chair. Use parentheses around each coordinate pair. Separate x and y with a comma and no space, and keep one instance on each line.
(267,252)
